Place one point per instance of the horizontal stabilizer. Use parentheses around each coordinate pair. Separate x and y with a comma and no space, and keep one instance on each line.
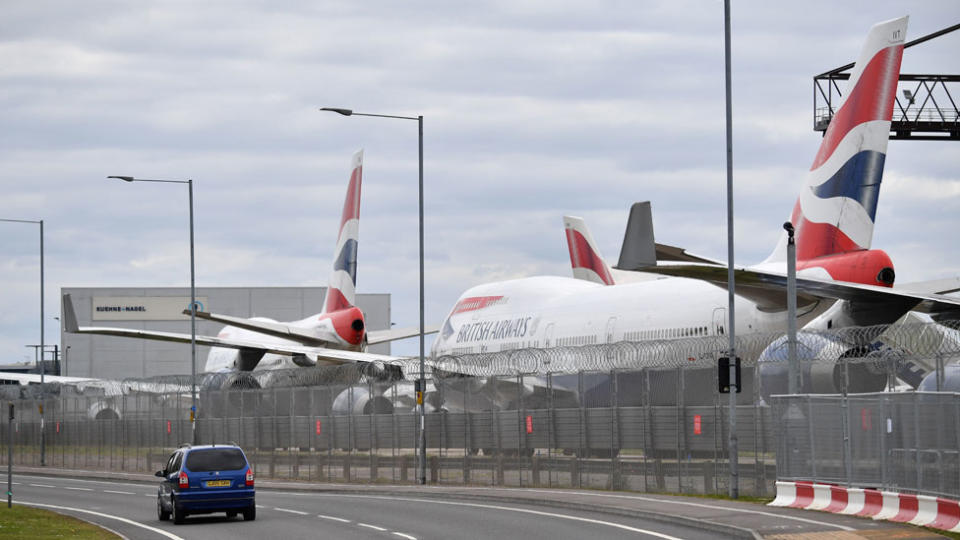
(768,290)
(263,327)
(678,254)
(936,286)
(383,336)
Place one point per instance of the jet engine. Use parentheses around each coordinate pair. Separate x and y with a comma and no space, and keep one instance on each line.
(823,360)
(360,400)
(103,410)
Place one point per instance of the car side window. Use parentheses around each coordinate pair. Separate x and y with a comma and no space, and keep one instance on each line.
(176,462)
(169,466)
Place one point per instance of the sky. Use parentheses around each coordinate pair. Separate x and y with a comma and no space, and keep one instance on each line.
(532,109)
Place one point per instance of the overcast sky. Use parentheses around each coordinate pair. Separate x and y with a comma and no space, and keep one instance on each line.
(532,109)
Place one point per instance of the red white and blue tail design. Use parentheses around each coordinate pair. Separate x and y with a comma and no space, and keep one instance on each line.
(584,255)
(836,210)
(343,278)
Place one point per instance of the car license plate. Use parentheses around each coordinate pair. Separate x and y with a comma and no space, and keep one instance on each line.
(218,483)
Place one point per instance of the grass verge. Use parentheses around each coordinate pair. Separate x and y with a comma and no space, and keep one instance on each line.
(26,522)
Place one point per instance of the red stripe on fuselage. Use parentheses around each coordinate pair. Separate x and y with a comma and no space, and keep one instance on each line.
(583,256)
(351,205)
(871,99)
(477,302)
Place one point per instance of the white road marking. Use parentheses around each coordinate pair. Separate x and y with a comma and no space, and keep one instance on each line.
(78,489)
(707,506)
(287,510)
(122,492)
(124,520)
(507,509)
(145,484)
(261,506)
(641,498)
(407,536)
(40,485)
(341,520)
(374,527)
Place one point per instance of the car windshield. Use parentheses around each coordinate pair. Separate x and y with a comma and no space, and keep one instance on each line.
(215,459)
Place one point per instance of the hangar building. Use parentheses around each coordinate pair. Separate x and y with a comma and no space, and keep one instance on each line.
(160,309)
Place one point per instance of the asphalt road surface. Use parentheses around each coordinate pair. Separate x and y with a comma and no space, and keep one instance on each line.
(129,508)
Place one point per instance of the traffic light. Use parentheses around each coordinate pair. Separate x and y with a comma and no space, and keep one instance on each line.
(723,367)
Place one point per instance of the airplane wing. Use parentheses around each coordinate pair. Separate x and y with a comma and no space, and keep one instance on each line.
(280,330)
(383,336)
(767,289)
(673,253)
(34,378)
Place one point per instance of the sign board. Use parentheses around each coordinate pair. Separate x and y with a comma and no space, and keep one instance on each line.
(696,424)
(143,308)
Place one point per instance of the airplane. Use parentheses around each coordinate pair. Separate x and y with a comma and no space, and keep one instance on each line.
(337,335)
(841,281)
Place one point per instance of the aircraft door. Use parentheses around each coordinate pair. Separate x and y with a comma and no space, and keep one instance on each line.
(719,321)
(548,336)
(611,324)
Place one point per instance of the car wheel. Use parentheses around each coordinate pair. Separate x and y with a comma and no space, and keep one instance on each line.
(178,513)
(250,514)
(162,514)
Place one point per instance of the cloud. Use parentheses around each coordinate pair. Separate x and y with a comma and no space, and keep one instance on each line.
(531,110)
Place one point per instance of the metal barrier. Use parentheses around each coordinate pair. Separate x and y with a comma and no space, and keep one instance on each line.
(587,430)
(906,442)
(645,417)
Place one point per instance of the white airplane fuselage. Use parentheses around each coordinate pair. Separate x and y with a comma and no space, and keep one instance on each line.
(548,311)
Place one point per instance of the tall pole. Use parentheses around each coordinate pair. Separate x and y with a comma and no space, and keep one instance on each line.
(421,383)
(793,368)
(193,325)
(423,388)
(43,370)
(10,456)
(43,454)
(193,302)
(731,330)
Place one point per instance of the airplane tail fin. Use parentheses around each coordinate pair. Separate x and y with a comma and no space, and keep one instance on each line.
(343,278)
(836,210)
(584,255)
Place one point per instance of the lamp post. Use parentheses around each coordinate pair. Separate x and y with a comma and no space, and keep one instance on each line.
(422,466)
(43,445)
(732,443)
(193,301)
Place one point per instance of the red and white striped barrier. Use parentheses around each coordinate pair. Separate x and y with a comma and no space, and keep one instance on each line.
(920,510)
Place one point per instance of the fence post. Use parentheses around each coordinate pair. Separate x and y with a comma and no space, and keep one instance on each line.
(884,464)
(551,429)
(813,449)
(916,441)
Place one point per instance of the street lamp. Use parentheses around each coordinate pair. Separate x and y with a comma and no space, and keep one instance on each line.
(422,382)
(193,301)
(43,441)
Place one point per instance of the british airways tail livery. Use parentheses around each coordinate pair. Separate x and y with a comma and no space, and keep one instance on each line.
(834,217)
(837,207)
(584,255)
(336,335)
(343,278)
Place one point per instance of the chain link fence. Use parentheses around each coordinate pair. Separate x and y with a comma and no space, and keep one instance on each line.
(641,416)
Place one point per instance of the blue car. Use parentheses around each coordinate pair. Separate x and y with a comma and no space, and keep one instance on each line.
(204,480)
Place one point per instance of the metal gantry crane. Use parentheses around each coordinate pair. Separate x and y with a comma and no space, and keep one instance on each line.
(924,110)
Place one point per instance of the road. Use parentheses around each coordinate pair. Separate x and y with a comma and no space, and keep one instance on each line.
(308,514)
